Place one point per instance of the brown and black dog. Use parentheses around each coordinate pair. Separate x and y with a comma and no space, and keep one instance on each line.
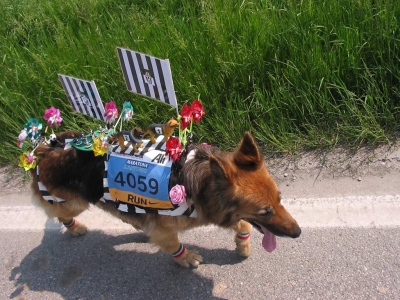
(228,189)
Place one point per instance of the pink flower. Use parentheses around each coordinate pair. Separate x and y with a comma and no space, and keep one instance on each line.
(23,135)
(53,116)
(197,110)
(111,112)
(177,194)
(186,116)
(31,158)
(173,148)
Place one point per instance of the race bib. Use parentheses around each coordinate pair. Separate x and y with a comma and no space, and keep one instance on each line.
(140,180)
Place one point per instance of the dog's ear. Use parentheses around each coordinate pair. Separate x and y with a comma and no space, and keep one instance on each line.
(247,154)
(217,167)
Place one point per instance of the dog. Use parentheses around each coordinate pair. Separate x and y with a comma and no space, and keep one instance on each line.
(229,189)
(163,129)
(133,137)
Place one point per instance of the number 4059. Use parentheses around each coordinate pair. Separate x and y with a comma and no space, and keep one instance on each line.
(140,182)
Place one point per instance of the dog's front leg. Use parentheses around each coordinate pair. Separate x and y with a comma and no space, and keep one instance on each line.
(242,238)
(168,242)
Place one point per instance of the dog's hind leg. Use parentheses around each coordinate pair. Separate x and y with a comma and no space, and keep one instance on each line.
(65,212)
(242,238)
(74,226)
(168,242)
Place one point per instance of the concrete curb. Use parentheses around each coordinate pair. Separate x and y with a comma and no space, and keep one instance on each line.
(363,211)
(360,211)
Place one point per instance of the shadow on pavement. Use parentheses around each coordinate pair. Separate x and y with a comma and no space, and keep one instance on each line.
(101,266)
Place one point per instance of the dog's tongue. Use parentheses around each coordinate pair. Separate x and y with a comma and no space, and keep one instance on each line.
(269,240)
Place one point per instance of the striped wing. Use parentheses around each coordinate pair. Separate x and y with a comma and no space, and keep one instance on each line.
(83,96)
(147,76)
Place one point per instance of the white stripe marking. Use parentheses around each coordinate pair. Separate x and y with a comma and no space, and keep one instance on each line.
(355,212)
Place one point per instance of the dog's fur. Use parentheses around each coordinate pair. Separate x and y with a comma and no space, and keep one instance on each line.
(228,189)
(165,129)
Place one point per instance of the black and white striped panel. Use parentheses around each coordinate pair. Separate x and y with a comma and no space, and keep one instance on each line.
(43,190)
(147,76)
(147,146)
(83,96)
(182,210)
(106,191)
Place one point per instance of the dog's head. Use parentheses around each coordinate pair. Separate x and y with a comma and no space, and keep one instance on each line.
(172,123)
(137,132)
(252,193)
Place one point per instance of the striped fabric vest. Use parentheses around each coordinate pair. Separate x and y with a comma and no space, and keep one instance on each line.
(186,208)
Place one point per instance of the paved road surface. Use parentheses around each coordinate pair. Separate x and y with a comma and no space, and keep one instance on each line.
(349,249)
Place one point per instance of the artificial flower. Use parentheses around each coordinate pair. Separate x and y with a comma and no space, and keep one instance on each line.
(27,160)
(100,145)
(33,128)
(197,110)
(127,111)
(173,148)
(22,137)
(53,116)
(177,194)
(186,116)
(111,112)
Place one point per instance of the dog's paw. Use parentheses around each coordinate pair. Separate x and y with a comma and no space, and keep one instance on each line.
(78,229)
(189,258)
(243,249)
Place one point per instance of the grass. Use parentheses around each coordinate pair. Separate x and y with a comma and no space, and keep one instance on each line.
(297,74)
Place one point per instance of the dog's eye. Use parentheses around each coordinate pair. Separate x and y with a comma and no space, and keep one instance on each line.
(266,211)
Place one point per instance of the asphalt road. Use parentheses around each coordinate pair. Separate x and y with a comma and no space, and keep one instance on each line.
(349,249)
(334,263)
(347,205)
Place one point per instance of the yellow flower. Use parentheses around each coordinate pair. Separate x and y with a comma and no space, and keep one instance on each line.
(100,145)
(27,160)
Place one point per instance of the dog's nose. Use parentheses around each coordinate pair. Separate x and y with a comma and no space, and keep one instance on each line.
(296,232)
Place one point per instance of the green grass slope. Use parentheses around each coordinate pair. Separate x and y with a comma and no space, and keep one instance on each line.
(295,73)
